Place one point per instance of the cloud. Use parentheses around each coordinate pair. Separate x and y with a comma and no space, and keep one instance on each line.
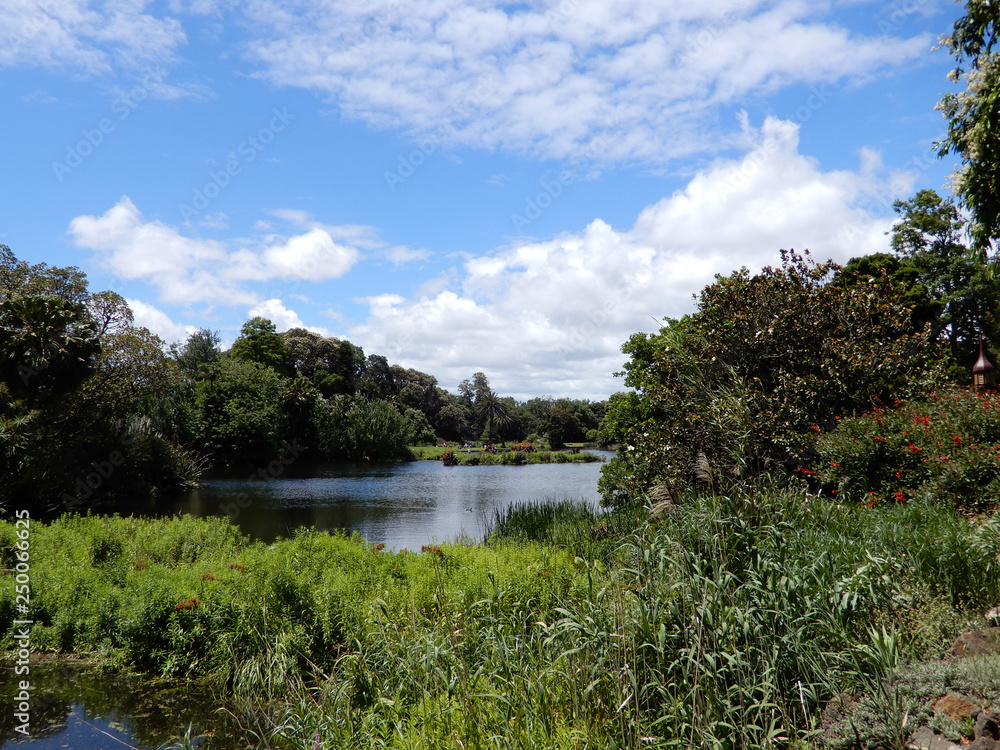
(551,316)
(157,321)
(188,271)
(283,318)
(88,36)
(575,79)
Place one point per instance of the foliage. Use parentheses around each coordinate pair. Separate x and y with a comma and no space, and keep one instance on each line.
(974,118)
(726,623)
(734,389)
(78,382)
(962,293)
(240,404)
(201,350)
(490,407)
(564,427)
(358,429)
(944,447)
(260,343)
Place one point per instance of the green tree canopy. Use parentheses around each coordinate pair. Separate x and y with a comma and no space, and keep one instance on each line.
(765,361)
(259,342)
(974,118)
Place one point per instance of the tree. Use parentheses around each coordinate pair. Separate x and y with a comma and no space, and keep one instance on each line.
(491,408)
(241,406)
(378,381)
(202,349)
(563,427)
(963,295)
(78,385)
(259,342)
(974,119)
(765,361)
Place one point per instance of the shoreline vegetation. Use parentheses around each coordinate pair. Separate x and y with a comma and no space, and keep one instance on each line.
(566,627)
(499,456)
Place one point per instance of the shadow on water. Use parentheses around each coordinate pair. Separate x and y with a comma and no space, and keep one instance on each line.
(75,706)
(401,504)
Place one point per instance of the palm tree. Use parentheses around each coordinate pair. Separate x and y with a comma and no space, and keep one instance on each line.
(491,407)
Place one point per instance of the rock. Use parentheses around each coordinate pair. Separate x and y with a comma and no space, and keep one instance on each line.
(956,707)
(993,617)
(983,743)
(987,727)
(972,644)
(926,738)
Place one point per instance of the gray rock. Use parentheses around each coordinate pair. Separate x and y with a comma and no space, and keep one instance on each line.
(983,743)
(987,726)
(926,738)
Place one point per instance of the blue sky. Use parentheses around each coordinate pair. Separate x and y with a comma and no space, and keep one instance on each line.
(461,186)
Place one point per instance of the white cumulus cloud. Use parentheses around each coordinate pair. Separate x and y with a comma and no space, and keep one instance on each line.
(551,316)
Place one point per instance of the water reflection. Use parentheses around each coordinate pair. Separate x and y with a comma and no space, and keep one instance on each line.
(76,706)
(404,505)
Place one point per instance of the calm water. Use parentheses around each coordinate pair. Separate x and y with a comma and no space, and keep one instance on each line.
(403,505)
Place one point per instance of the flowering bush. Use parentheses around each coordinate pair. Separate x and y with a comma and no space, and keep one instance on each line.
(946,446)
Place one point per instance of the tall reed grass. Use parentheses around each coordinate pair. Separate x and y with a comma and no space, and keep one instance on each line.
(726,623)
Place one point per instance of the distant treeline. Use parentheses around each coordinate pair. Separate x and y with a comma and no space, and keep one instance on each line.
(92,405)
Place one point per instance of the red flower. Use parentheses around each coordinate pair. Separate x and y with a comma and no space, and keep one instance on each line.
(957,439)
(815,428)
(880,438)
(900,497)
(899,475)
(914,448)
(834,464)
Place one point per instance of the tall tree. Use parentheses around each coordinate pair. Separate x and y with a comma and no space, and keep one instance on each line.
(962,294)
(491,408)
(974,118)
(201,350)
(259,342)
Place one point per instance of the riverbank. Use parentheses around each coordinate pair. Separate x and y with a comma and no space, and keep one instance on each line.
(501,457)
(729,621)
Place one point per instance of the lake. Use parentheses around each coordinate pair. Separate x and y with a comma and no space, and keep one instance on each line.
(404,505)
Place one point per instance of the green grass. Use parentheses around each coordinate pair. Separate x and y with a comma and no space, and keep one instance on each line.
(729,622)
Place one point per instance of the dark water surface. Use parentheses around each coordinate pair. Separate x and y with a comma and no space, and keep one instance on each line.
(404,505)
